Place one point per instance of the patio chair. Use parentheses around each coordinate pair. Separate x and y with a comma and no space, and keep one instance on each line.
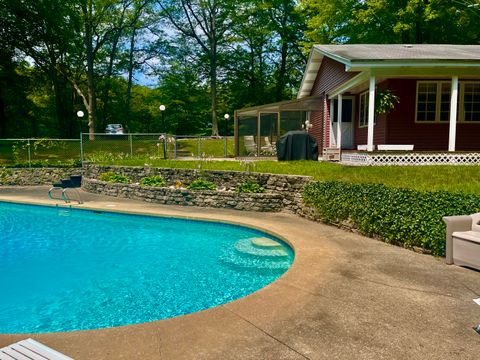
(463,240)
(250,146)
(268,148)
(30,349)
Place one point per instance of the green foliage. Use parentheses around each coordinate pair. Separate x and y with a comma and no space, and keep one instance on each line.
(250,187)
(390,22)
(155,180)
(114,178)
(201,184)
(385,102)
(398,216)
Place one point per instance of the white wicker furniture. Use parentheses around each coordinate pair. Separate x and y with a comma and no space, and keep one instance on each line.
(463,240)
(32,350)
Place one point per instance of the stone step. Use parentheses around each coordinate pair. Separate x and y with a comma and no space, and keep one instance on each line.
(245,247)
(265,243)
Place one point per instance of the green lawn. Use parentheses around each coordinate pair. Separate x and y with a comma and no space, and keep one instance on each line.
(451,178)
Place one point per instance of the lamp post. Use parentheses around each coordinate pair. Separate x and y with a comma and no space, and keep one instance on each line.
(80,115)
(162,110)
(226,117)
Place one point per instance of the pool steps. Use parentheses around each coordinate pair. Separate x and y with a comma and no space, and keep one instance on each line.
(63,187)
(259,255)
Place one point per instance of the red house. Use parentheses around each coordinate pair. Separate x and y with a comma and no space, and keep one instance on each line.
(437,88)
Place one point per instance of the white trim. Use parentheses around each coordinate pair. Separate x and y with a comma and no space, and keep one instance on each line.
(452,133)
(461,108)
(385,64)
(346,86)
(360,110)
(333,141)
(371,113)
(339,121)
(410,159)
(438,103)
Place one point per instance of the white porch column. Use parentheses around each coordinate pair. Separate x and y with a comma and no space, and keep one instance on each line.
(453,114)
(332,116)
(371,113)
(339,122)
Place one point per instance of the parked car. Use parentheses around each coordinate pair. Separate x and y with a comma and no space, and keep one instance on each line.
(114,129)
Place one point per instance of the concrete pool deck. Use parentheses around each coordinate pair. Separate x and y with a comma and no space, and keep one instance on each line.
(345,297)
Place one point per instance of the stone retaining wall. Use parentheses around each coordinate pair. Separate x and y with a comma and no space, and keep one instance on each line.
(204,198)
(288,187)
(35,176)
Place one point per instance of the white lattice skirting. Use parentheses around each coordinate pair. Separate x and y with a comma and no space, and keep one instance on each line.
(383,159)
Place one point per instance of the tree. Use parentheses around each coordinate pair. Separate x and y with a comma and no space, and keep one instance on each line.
(399,21)
(206,23)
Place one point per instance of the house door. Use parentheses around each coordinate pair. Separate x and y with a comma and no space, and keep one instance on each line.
(347,122)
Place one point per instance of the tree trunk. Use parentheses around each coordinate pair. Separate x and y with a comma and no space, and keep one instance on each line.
(106,89)
(213,86)
(91,108)
(3,118)
(130,79)
(282,71)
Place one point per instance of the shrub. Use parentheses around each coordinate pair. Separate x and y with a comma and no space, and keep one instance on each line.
(250,187)
(114,178)
(155,180)
(396,215)
(201,185)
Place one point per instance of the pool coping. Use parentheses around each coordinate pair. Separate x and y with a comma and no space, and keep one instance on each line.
(340,297)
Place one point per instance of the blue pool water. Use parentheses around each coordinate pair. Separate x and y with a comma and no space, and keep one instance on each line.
(64,270)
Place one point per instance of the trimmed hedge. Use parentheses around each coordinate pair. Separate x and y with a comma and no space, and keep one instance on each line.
(398,216)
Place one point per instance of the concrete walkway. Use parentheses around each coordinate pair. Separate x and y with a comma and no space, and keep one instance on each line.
(345,297)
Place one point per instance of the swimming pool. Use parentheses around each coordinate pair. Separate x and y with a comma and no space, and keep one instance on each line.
(70,269)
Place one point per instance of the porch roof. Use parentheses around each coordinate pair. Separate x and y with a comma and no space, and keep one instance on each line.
(303,104)
(388,60)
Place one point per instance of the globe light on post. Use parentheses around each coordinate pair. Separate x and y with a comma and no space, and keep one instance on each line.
(80,115)
(162,110)
(226,117)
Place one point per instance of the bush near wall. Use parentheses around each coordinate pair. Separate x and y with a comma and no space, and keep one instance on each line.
(399,216)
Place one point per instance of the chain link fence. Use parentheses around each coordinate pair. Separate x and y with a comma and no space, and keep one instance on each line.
(105,147)
(39,152)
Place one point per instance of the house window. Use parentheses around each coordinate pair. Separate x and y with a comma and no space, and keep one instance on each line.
(445,101)
(428,101)
(363,118)
(433,101)
(471,102)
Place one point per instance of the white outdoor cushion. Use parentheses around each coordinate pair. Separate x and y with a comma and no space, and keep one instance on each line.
(473,236)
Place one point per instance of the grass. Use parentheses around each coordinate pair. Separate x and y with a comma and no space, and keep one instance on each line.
(148,150)
(465,179)
(16,152)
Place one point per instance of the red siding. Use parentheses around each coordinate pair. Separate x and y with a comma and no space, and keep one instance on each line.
(316,119)
(402,128)
(379,130)
(330,75)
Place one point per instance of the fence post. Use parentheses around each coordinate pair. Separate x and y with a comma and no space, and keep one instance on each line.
(199,150)
(29,154)
(175,144)
(225,146)
(81,147)
(131,144)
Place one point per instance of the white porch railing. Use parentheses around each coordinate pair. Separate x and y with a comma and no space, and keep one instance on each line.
(410,158)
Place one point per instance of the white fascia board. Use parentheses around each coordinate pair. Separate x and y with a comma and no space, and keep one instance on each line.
(311,71)
(362,66)
(335,57)
(355,81)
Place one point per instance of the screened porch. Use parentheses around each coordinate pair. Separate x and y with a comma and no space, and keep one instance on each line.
(258,128)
